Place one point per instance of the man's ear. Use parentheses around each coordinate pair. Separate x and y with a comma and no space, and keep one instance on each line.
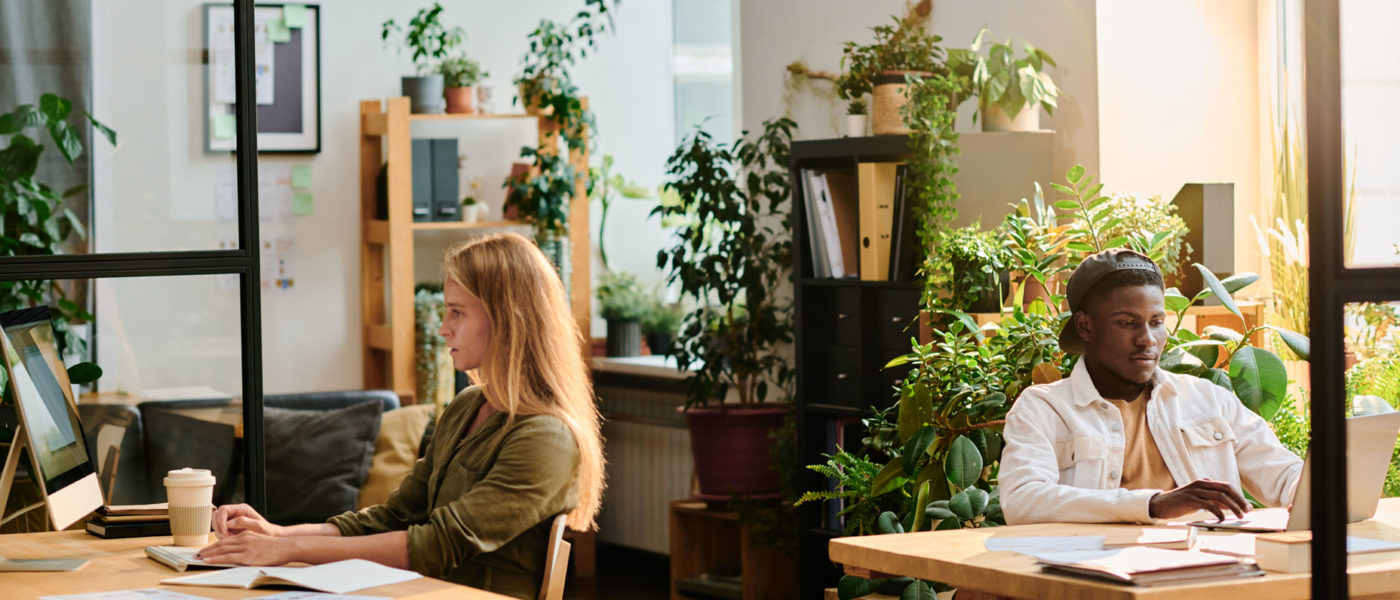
(1083,325)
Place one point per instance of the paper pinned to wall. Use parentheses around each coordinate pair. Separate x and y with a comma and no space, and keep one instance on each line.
(222,127)
(221,57)
(284,254)
(277,31)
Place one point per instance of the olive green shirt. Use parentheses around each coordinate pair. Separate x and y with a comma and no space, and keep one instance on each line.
(479,514)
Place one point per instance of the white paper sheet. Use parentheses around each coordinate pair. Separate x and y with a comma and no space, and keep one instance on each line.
(141,594)
(1036,546)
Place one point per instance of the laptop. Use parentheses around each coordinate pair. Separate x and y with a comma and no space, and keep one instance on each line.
(1370,442)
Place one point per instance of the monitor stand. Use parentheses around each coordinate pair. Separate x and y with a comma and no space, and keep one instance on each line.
(7,476)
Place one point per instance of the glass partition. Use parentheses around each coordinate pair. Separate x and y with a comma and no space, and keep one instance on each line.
(1371,133)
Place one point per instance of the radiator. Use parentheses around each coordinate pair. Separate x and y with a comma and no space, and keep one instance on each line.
(649,465)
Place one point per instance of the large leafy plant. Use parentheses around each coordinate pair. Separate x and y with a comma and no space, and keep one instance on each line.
(933,145)
(542,196)
(545,81)
(734,252)
(1001,79)
(34,220)
(425,37)
(969,262)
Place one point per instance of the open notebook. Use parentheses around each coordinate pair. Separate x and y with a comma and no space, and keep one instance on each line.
(336,578)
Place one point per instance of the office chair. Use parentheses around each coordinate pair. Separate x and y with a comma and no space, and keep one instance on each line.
(556,561)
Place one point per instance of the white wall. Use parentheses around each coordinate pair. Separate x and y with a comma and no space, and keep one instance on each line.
(156,192)
(777,32)
(1179,102)
(1370,94)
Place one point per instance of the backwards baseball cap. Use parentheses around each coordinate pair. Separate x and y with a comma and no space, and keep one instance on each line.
(1088,273)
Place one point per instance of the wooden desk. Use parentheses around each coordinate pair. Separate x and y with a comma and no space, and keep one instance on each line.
(121,564)
(960,558)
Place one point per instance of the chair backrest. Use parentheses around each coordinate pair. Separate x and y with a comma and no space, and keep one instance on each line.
(556,561)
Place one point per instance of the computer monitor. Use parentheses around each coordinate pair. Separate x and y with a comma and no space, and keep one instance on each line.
(48,419)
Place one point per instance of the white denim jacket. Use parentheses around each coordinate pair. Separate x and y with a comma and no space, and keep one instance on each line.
(1064,449)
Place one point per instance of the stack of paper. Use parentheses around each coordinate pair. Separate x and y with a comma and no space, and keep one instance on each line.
(1147,567)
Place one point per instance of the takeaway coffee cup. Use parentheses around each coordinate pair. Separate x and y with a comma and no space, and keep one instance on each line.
(191,496)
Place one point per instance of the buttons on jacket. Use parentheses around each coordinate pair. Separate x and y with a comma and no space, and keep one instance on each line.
(1219,436)
(1113,475)
(1115,428)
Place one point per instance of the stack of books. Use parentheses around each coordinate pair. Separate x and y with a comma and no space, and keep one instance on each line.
(1146,567)
(131,520)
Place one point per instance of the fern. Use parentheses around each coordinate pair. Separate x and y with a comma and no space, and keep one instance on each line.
(1379,376)
(854,476)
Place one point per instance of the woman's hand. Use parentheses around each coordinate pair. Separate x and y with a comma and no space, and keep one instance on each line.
(249,548)
(233,519)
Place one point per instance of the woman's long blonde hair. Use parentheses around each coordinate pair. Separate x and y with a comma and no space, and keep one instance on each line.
(534,361)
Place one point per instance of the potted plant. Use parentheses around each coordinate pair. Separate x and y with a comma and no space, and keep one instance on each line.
(733,254)
(431,43)
(622,302)
(855,118)
(972,264)
(1009,90)
(606,185)
(879,69)
(541,197)
(659,325)
(459,75)
(472,210)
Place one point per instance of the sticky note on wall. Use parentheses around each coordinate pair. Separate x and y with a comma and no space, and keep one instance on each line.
(301,204)
(294,15)
(301,176)
(221,127)
(277,31)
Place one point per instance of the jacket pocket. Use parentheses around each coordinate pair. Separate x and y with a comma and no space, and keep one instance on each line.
(1087,458)
(1211,445)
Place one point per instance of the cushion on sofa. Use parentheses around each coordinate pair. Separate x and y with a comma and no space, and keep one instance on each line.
(317,460)
(395,450)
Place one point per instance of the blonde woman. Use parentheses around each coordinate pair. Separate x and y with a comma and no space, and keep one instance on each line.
(507,455)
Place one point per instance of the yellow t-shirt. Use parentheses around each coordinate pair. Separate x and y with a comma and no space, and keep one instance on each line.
(1143,467)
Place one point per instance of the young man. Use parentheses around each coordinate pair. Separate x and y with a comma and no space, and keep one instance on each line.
(1121,440)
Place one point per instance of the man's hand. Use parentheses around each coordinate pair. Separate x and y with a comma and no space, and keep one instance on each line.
(1201,494)
(233,519)
(248,548)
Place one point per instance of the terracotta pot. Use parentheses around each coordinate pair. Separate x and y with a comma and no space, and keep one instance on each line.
(996,119)
(460,100)
(732,451)
(1034,289)
(886,99)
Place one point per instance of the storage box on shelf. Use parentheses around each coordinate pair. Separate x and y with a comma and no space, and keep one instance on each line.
(386,250)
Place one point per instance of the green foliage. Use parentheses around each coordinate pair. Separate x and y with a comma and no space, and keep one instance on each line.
(426,37)
(734,252)
(1255,375)
(662,317)
(428,306)
(1143,218)
(545,80)
(904,46)
(1036,249)
(856,107)
(1376,376)
(1002,79)
(969,262)
(33,218)
(461,71)
(1375,329)
(543,198)
(604,185)
(620,297)
(933,145)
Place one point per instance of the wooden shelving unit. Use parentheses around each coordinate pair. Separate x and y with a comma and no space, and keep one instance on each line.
(386,248)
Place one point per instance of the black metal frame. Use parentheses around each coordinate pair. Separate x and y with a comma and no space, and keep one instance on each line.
(242,262)
(1331,286)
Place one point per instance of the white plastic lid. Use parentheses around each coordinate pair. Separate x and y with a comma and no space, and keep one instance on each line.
(189,477)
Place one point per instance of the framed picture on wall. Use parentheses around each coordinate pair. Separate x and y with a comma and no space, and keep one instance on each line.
(287,69)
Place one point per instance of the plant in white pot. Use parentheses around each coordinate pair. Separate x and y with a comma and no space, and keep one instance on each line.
(1010,91)
(856,118)
(430,43)
(732,257)
(459,75)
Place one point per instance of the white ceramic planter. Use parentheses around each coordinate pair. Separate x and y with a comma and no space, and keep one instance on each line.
(471,213)
(855,125)
(996,119)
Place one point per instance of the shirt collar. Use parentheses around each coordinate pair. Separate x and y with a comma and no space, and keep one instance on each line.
(1082,386)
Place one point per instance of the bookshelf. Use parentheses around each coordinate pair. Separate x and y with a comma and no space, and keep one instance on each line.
(846,329)
(386,248)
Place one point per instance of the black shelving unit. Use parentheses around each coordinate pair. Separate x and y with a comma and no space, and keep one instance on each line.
(845,331)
